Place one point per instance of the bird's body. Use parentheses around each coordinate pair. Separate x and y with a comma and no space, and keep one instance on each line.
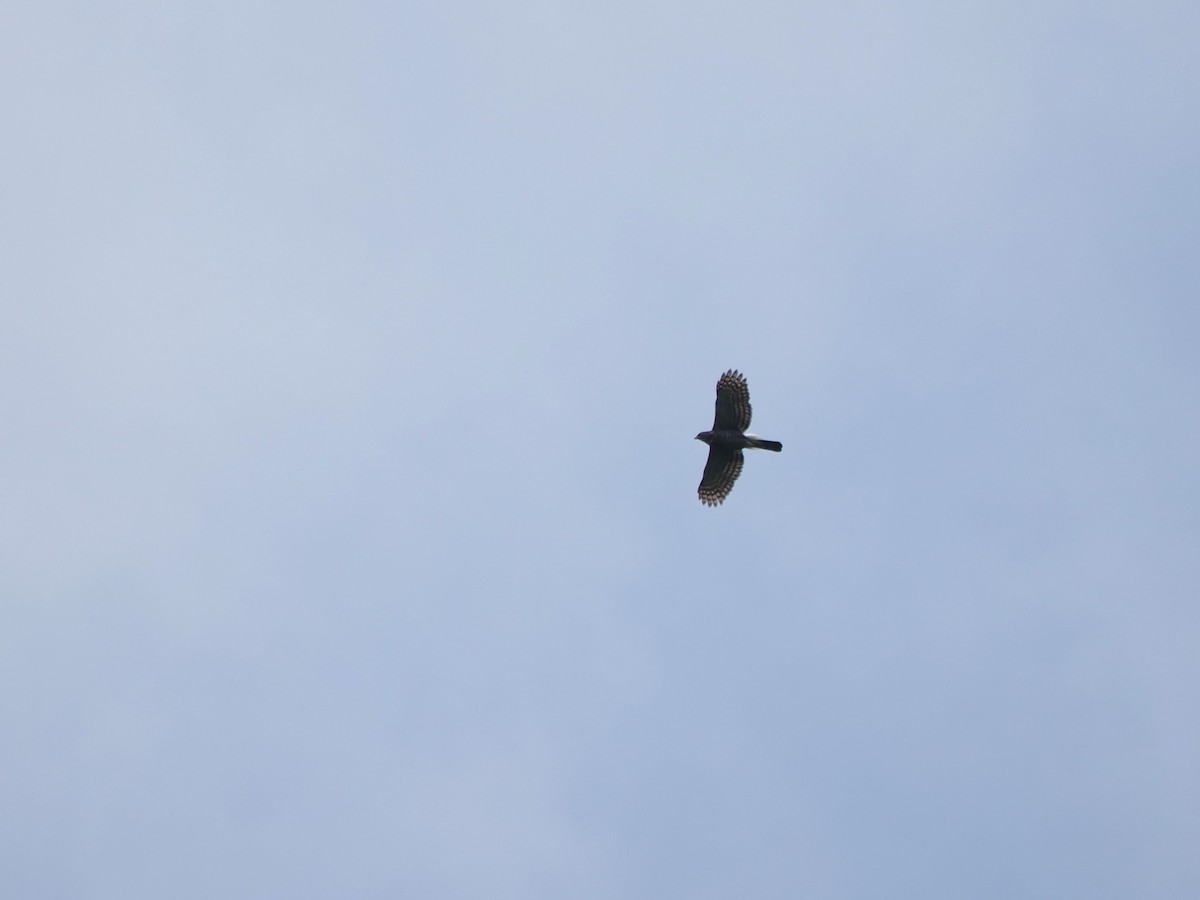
(738,439)
(728,438)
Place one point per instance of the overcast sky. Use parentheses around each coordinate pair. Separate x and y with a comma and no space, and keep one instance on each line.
(350,360)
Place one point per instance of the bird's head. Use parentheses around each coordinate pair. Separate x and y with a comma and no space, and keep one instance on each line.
(705,436)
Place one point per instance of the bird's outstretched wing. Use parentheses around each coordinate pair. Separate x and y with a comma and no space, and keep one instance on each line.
(733,403)
(720,472)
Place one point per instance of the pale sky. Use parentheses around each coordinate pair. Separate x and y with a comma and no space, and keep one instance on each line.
(351,357)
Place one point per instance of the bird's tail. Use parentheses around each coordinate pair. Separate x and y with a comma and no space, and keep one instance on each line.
(762,444)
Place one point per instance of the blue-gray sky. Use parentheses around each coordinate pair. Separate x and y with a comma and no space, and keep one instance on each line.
(350,359)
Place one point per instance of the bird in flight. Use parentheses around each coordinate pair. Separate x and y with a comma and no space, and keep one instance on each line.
(728,438)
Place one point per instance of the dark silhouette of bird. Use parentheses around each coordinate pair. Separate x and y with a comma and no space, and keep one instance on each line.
(728,439)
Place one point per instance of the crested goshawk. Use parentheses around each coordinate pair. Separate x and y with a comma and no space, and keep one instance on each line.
(728,439)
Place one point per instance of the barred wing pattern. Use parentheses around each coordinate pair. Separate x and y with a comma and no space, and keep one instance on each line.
(733,403)
(720,472)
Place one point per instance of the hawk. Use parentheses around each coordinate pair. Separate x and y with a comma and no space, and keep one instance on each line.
(728,438)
